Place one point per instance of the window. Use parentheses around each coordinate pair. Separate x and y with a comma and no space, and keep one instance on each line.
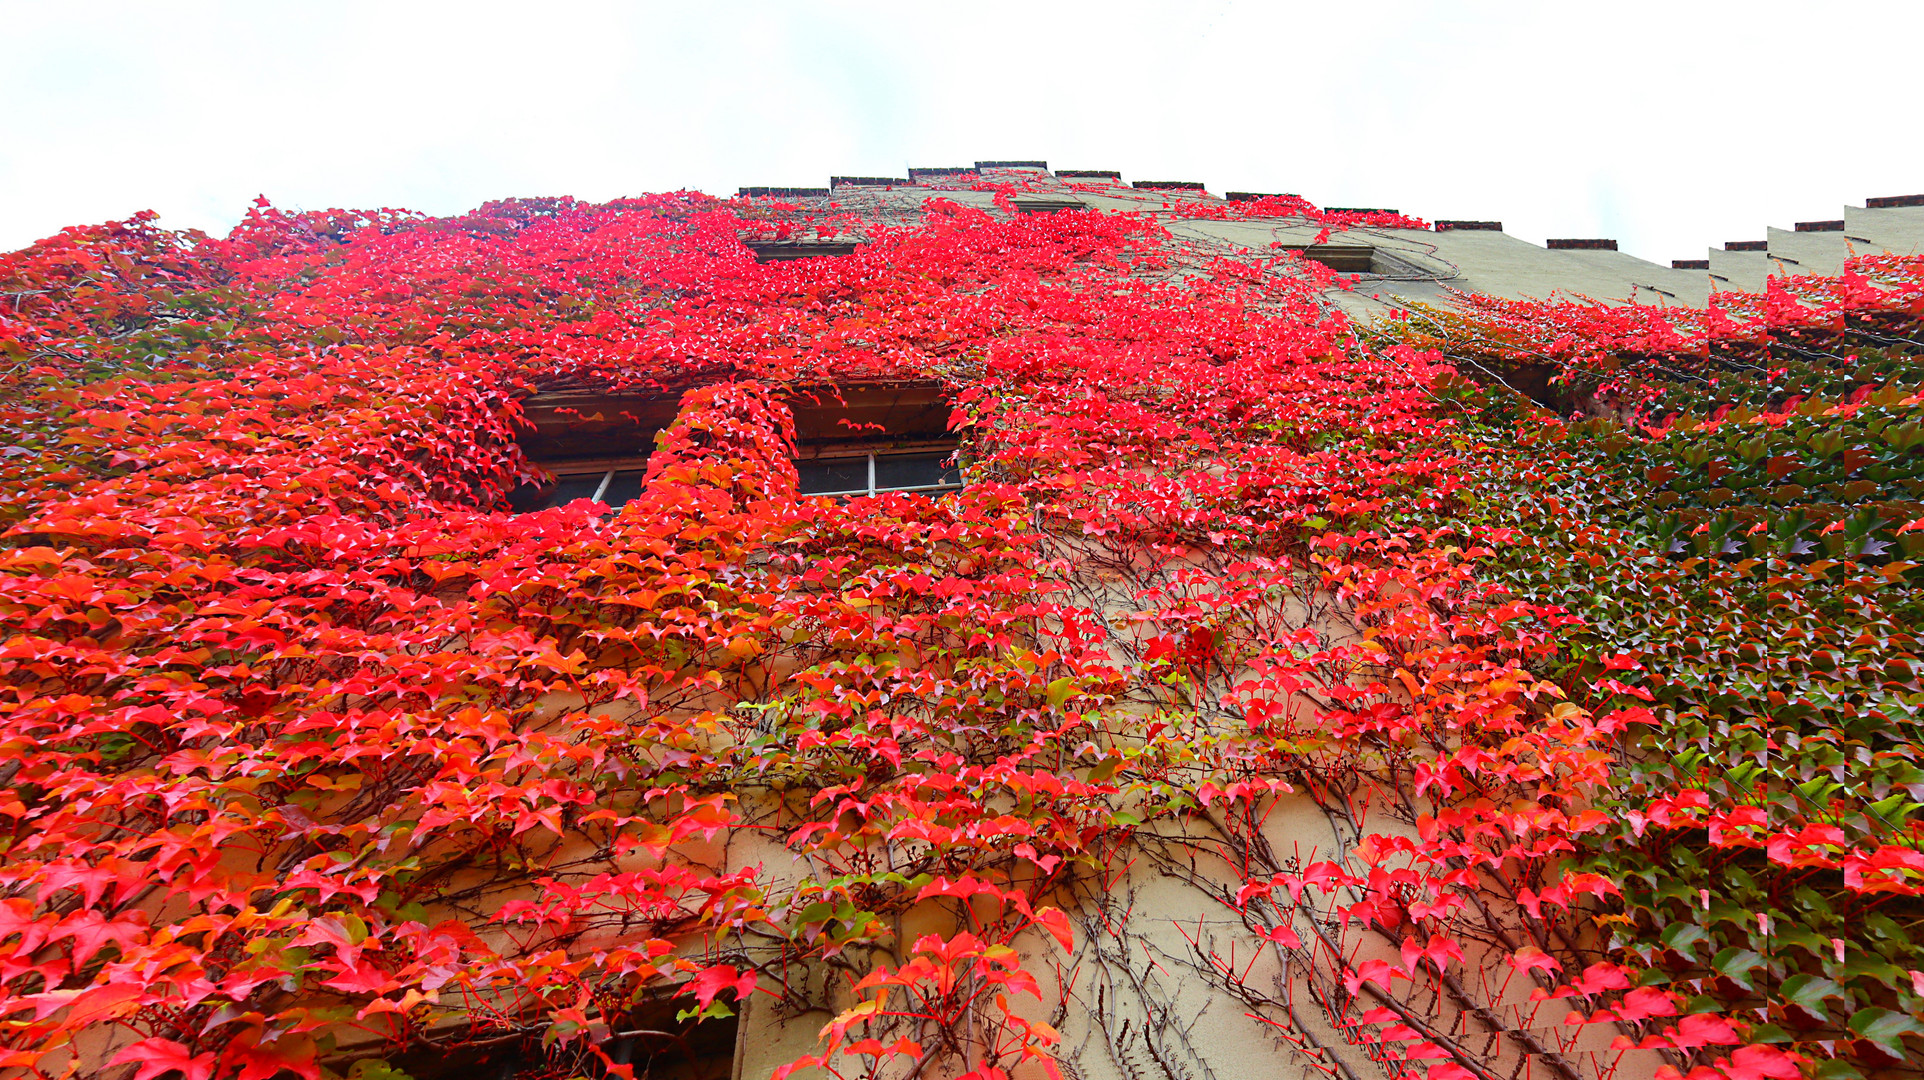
(614,484)
(768,251)
(1048,206)
(1342,258)
(652,1039)
(665,1047)
(614,487)
(593,445)
(863,437)
(868,474)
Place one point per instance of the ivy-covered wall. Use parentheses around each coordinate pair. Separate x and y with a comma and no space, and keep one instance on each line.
(1276,685)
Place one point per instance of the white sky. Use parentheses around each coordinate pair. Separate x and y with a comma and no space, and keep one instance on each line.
(1669,125)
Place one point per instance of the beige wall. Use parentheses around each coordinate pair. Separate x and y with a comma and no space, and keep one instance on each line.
(1420,265)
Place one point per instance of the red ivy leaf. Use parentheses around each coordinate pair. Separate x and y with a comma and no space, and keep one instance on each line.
(157,1056)
(716,979)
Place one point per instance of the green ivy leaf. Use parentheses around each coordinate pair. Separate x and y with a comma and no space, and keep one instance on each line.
(1886,1028)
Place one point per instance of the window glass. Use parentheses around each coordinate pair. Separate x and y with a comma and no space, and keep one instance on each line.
(914,471)
(624,487)
(570,488)
(832,475)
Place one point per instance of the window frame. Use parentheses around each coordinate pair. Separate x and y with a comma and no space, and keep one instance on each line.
(601,489)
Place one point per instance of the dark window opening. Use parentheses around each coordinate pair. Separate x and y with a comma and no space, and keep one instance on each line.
(665,1048)
(1342,258)
(767,251)
(869,416)
(613,488)
(1047,206)
(650,1040)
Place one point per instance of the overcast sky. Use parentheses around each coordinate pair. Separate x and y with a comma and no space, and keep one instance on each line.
(1669,126)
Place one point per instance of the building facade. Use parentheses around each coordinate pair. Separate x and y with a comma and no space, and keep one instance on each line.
(992,623)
